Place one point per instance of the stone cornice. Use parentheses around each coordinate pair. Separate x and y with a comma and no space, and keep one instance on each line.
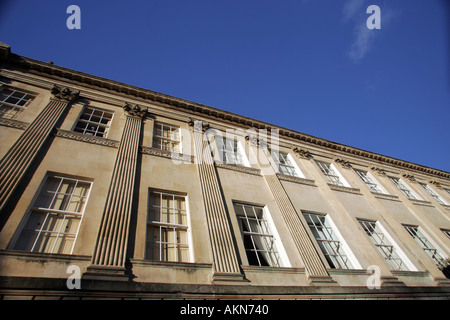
(56,72)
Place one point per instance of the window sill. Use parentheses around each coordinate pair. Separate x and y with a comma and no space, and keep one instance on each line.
(386,196)
(239,168)
(41,256)
(344,189)
(86,138)
(170,264)
(12,123)
(175,156)
(347,271)
(404,273)
(305,181)
(421,202)
(266,269)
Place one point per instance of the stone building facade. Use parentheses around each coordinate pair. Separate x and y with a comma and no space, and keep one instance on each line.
(113,191)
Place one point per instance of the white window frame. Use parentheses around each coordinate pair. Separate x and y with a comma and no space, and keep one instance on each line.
(266,231)
(286,164)
(160,225)
(427,245)
(14,108)
(93,124)
(370,181)
(404,188)
(174,140)
(230,150)
(66,214)
(331,242)
(432,193)
(446,232)
(387,247)
(333,175)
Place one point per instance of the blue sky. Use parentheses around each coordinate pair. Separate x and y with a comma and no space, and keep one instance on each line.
(307,65)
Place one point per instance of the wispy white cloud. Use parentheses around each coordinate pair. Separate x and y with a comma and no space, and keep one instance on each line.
(363,38)
(362,42)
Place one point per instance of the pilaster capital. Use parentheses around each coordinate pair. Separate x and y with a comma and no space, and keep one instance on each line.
(134,110)
(65,94)
(343,163)
(301,153)
(436,184)
(410,177)
(379,171)
(198,125)
(252,139)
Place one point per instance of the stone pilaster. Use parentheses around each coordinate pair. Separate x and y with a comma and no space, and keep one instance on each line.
(19,157)
(314,268)
(225,260)
(110,249)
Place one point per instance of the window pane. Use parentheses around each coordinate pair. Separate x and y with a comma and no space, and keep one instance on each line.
(167,229)
(12,99)
(368,181)
(184,254)
(259,242)
(384,246)
(93,121)
(13,102)
(166,137)
(30,231)
(152,251)
(170,252)
(9,112)
(327,240)
(76,204)
(432,193)
(229,150)
(329,172)
(48,227)
(5,93)
(49,233)
(285,166)
(165,215)
(426,245)
(399,184)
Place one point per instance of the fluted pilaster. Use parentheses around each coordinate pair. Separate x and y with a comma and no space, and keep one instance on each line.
(110,249)
(19,157)
(225,260)
(314,267)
